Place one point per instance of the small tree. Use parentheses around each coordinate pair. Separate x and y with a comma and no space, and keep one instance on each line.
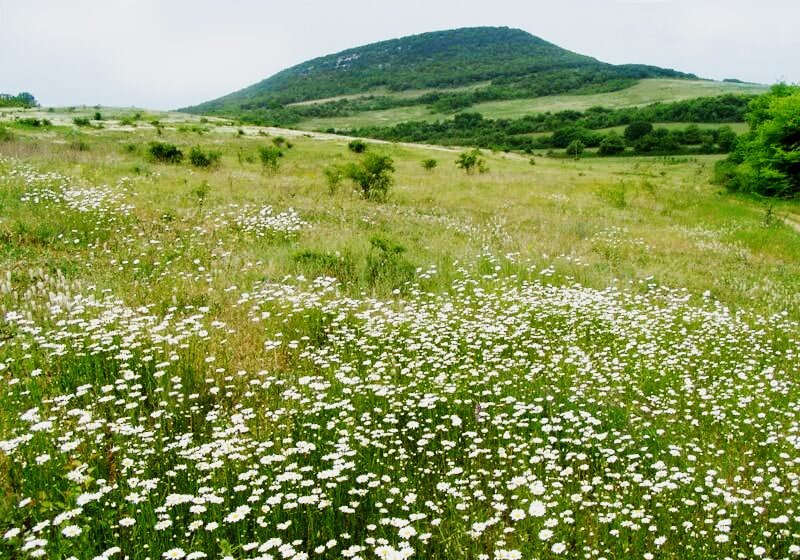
(373,175)
(575,148)
(471,160)
(270,157)
(429,164)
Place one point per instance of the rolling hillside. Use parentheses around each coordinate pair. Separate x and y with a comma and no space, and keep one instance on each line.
(507,63)
(645,92)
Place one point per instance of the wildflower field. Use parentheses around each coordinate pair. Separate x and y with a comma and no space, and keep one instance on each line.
(553,359)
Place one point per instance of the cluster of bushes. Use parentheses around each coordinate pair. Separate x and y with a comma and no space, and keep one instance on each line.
(644,138)
(766,160)
(31,122)
(471,129)
(718,109)
(164,152)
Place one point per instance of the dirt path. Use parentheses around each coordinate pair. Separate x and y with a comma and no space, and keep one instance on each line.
(793,222)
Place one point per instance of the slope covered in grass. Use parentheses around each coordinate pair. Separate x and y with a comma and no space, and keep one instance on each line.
(643,93)
(514,61)
(565,359)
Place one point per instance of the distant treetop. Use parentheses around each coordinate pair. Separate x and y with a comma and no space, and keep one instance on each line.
(23,99)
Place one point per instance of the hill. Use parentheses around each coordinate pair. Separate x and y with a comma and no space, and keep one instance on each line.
(500,63)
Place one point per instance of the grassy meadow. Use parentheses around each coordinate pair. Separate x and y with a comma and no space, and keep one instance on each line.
(555,358)
(645,92)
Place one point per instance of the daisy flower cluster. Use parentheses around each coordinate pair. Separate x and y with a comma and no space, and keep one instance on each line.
(503,419)
(51,189)
(264,222)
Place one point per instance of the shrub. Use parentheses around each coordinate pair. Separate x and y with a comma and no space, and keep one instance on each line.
(165,153)
(373,175)
(199,158)
(726,139)
(318,263)
(79,145)
(200,192)
(766,161)
(575,148)
(612,145)
(471,160)
(81,121)
(429,164)
(636,130)
(386,264)
(270,157)
(6,135)
(35,123)
(333,176)
(357,146)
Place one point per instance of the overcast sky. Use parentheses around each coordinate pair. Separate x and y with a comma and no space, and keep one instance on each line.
(164,54)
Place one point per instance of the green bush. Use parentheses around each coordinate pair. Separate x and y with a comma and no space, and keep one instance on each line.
(200,158)
(766,160)
(386,265)
(270,157)
(636,130)
(333,176)
(317,263)
(471,161)
(81,121)
(611,145)
(34,123)
(200,192)
(6,135)
(357,146)
(575,148)
(373,175)
(429,164)
(165,153)
(282,142)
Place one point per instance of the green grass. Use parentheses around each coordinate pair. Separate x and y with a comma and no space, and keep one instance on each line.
(645,92)
(575,346)
(385,92)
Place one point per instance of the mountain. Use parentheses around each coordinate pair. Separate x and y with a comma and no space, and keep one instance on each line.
(492,62)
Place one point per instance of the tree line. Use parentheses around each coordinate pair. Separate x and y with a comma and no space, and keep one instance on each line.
(23,99)
(527,133)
